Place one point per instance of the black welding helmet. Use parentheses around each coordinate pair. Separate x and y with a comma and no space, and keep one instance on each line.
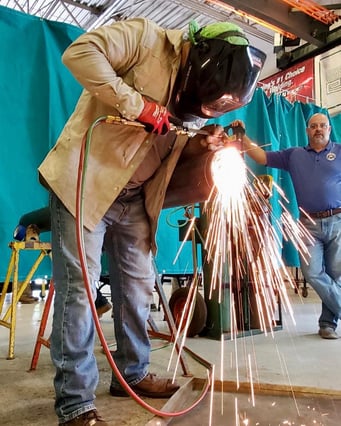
(220,74)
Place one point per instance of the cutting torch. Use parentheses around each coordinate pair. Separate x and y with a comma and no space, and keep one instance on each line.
(180,129)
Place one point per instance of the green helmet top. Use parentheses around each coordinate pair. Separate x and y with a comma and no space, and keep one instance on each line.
(220,30)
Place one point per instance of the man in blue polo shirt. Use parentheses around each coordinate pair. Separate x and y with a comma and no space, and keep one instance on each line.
(315,171)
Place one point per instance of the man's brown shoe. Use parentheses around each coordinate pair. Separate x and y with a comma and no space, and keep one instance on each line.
(90,418)
(103,309)
(328,333)
(27,295)
(150,387)
(26,299)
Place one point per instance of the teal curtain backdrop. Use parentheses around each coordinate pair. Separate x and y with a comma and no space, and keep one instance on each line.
(38,94)
(336,125)
(276,124)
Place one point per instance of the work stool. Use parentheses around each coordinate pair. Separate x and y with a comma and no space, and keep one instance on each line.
(9,315)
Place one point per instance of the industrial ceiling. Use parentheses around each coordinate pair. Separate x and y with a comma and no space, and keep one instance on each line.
(314,24)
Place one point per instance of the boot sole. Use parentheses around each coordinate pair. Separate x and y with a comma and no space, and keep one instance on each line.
(123,393)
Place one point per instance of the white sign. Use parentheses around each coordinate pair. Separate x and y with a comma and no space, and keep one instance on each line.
(328,81)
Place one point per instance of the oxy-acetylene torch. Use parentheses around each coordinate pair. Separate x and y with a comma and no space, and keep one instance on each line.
(192,180)
(178,127)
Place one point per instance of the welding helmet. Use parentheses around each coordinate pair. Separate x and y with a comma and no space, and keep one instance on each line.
(220,74)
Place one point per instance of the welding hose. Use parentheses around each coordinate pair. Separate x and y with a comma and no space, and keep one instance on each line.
(84,152)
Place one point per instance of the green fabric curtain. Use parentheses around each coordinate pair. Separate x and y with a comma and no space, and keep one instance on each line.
(336,125)
(38,94)
(277,124)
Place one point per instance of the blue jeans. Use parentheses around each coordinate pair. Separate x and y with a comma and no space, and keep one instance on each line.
(125,233)
(323,271)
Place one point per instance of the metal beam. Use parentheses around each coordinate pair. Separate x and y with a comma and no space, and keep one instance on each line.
(333,5)
(280,15)
(308,51)
(95,10)
(285,60)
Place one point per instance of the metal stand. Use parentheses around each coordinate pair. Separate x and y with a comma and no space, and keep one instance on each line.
(41,340)
(9,317)
(169,319)
(300,280)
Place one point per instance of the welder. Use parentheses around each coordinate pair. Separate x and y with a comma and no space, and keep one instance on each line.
(141,72)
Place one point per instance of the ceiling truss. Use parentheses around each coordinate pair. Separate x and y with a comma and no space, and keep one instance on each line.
(309,21)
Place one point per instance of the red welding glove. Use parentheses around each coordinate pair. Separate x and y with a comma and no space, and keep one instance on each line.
(155,118)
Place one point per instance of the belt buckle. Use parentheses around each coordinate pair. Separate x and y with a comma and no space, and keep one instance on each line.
(326,213)
(322,214)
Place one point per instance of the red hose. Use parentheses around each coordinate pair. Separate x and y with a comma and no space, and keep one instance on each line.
(82,258)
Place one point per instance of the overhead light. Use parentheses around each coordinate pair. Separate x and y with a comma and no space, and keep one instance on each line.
(253,18)
(315,10)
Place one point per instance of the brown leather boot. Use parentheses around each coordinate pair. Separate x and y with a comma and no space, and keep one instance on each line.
(150,387)
(90,418)
(27,296)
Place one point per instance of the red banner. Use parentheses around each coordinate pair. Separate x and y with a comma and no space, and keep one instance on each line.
(295,83)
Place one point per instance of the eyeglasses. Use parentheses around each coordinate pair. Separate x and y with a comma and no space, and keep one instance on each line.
(314,126)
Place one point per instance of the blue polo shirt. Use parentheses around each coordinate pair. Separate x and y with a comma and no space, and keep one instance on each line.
(316,176)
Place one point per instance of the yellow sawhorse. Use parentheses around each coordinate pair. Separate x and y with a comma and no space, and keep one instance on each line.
(8,317)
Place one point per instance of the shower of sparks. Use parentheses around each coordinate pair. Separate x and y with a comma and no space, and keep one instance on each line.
(229,190)
(222,358)
(286,372)
(184,323)
(243,236)
(243,244)
(251,380)
(211,398)
(236,411)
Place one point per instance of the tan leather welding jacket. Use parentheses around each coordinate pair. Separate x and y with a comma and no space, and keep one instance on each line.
(116,65)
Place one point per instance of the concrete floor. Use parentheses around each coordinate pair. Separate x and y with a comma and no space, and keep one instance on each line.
(295,374)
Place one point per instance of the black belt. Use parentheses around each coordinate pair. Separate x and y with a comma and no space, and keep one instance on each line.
(325,213)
